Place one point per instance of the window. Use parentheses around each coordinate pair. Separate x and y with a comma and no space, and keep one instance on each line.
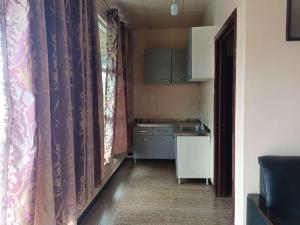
(103,50)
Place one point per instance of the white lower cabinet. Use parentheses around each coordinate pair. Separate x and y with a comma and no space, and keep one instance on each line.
(193,157)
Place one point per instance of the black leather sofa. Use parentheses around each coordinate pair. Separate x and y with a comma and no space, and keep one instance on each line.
(279,200)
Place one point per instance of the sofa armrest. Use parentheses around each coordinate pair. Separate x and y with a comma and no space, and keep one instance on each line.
(256,211)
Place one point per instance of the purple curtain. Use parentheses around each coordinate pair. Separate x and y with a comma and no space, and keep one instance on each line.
(119,100)
(129,85)
(120,145)
(85,99)
(51,89)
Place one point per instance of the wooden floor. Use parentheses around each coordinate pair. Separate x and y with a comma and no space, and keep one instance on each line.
(147,193)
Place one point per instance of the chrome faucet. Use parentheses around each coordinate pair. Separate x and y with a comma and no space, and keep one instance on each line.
(201,118)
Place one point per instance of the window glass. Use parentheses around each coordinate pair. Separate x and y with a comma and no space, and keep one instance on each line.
(103,50)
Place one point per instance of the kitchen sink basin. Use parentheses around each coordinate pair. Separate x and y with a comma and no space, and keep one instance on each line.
(188,128)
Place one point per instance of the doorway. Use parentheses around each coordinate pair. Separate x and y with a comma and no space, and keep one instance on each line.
(224,113)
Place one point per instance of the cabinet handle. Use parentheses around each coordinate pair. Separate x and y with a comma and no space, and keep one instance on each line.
(163,131)
(147,139)
(143,131)
(164,80)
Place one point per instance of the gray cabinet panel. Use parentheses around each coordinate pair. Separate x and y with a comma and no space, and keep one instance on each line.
(157,67)
(143,147)
(163,131)
(153,143)
(163,147)
(189,56)
(179,70)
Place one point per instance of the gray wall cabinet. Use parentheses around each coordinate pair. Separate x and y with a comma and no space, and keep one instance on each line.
(165,66)
(158,66)
(153,143)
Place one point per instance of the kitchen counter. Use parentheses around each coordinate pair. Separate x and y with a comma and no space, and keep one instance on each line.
(157,123)
(163,122)
(180,133)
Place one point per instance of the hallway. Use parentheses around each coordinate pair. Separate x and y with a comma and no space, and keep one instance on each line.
(148,193)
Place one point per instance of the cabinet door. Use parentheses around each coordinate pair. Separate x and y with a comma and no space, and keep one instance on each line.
(203,53)
(157,67)
(143,147)
(189,56)
(179,71)
(163,147)
(193,157)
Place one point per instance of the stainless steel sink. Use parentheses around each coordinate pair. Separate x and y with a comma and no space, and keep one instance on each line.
(188,128)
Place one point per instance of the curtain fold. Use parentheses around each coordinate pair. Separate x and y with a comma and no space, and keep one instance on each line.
(98,110)
(119,89)
(129,86)
(28,178)
(50,87)
(62,138)
(5,116)
(120,145)
(111,83)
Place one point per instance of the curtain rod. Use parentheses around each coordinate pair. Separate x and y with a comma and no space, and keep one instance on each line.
(106,4)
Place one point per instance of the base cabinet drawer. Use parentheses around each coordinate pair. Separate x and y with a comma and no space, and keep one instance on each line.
(142,131)
(165,131)
(143,147)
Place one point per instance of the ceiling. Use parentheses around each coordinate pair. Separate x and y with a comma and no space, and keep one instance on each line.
(148,14)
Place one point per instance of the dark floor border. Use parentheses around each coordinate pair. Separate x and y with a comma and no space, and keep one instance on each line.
(100,193)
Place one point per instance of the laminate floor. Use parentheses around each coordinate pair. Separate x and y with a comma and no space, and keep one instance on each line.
(147,193)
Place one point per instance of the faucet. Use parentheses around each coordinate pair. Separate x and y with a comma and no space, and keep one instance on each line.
(201,118)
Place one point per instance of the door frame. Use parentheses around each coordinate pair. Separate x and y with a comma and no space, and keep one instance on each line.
(219,183)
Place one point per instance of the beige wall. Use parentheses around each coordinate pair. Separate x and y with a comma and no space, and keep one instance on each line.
(272,106)
(268,74)
(161,101)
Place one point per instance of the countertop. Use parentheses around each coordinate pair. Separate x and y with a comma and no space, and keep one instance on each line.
(191,133)
(174,124)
